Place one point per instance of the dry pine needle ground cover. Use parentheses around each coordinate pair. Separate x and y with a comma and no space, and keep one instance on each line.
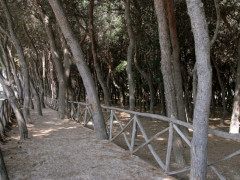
(61,149)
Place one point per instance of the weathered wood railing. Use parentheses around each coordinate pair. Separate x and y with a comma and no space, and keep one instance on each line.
(81,112)
(5,114)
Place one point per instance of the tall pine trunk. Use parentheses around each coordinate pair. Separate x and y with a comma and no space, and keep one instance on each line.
(67,67)
(178,84)
(204,89)
(98,120)
(168,77)
(234,126)
(95,59)
(130,53)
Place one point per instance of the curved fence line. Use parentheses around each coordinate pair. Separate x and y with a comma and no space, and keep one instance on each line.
(81,112)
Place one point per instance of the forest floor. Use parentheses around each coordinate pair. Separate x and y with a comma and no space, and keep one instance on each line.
(217,147)
(62,149)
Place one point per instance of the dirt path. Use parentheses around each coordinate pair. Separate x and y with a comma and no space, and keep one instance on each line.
(61,149)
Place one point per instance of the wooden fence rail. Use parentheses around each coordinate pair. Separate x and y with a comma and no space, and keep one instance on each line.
(82,113)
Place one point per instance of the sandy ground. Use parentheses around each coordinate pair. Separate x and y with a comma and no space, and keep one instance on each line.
(62,149)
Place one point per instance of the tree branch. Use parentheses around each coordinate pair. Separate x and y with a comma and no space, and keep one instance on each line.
(4,32)
(217,25)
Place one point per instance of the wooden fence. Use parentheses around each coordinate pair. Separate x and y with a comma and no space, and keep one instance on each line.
(5,114)
(82,113)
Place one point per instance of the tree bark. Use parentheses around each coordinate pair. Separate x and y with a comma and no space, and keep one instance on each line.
(95,59)
(234,126)
(204,89)
(98,120)
(15,74)
(14,103)
(24,66)
(168,77)
(130,53)
(222,89)
(5,64)
(112,76)
(37,98)
(148,78)
(67,67)
(176,62)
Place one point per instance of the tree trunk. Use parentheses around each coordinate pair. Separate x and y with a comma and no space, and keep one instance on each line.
(3,170)
(98,120)
(112,76)
(204,88)
(222,90)
(37,98)
(176,62)
(31,101)
(14,103)
(148,78)
(194,84)
(67,67)
(130,53)
(24,66)
(162,99)
(234,126)
(5,64)
(168,77)
(15,74)
(95,59)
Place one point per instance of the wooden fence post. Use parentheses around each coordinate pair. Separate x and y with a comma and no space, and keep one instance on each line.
(78,112)
(169,149)
(111,125)
(85,116)
(133,134)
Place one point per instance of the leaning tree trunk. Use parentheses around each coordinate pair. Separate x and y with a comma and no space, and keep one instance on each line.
(98,120)
(5,64)
(36,97)
(204,88)
(67,68)
(234,126)
(24,66)
(95,59)
(16,109)
(130,53)
(168,77)
(15,74)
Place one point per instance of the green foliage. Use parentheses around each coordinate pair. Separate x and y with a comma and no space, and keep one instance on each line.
(122,66)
